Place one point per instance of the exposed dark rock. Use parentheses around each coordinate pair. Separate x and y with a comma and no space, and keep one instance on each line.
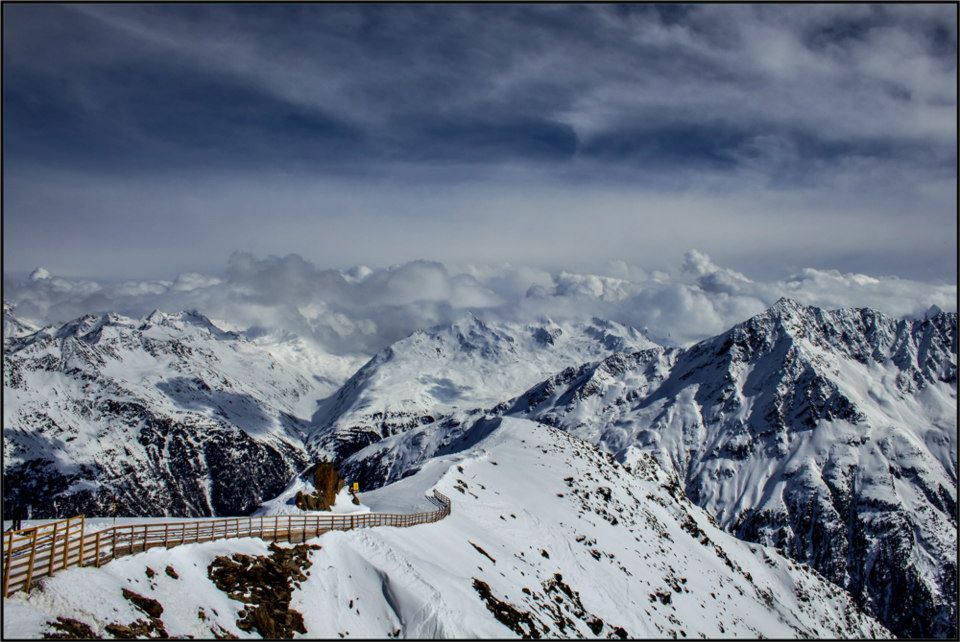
(70,629)
(148,605)
(520,622)
(483,552)
(265,584)
(138,629)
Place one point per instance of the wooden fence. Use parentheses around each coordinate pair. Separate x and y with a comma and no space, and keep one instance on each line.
(40,551)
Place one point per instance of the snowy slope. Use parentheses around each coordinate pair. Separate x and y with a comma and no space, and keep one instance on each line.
(447,370)
(829,434)
(548,538)
(326,372)
(170,413)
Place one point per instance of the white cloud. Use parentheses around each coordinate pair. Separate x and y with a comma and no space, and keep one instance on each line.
(350,314)
(194,280)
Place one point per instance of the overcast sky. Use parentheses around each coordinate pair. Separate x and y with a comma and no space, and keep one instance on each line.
(149,141)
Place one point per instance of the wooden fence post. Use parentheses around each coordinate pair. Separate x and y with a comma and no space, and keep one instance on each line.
(53,548)
(96,550)
(66,545)
(6,565)
(83,526)
(33,555)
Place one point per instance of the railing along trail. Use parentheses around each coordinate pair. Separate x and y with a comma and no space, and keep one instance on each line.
(41,551)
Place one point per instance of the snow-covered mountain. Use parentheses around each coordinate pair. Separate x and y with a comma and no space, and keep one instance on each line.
(14,327)
(169,413)
(173,415)
(447,370)
(831,435)
(548,538)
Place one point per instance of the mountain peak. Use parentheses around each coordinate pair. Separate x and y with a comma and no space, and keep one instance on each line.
(468,323)
(155,317)
(188,317)
(788,307)
(933,311)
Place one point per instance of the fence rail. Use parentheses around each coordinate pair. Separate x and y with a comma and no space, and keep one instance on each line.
(41,551)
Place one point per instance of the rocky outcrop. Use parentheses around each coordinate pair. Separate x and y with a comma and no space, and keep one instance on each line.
(265,584)
(327,482)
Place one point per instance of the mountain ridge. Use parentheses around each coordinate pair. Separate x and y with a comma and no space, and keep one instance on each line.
(445,370)
(805,429)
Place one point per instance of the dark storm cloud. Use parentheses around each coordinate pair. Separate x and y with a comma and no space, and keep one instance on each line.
(315,84)
(144,113)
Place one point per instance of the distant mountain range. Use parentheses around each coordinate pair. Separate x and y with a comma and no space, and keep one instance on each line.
(445,371)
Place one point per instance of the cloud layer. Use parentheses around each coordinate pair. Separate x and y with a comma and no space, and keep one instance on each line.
(647,86)
(361,310)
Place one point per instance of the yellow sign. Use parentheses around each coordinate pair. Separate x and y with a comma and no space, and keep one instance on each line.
(356,486)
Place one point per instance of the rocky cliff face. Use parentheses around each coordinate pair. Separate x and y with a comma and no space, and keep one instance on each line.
(327,482)
(829,434)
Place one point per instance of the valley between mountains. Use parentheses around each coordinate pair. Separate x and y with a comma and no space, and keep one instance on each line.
(795,476)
